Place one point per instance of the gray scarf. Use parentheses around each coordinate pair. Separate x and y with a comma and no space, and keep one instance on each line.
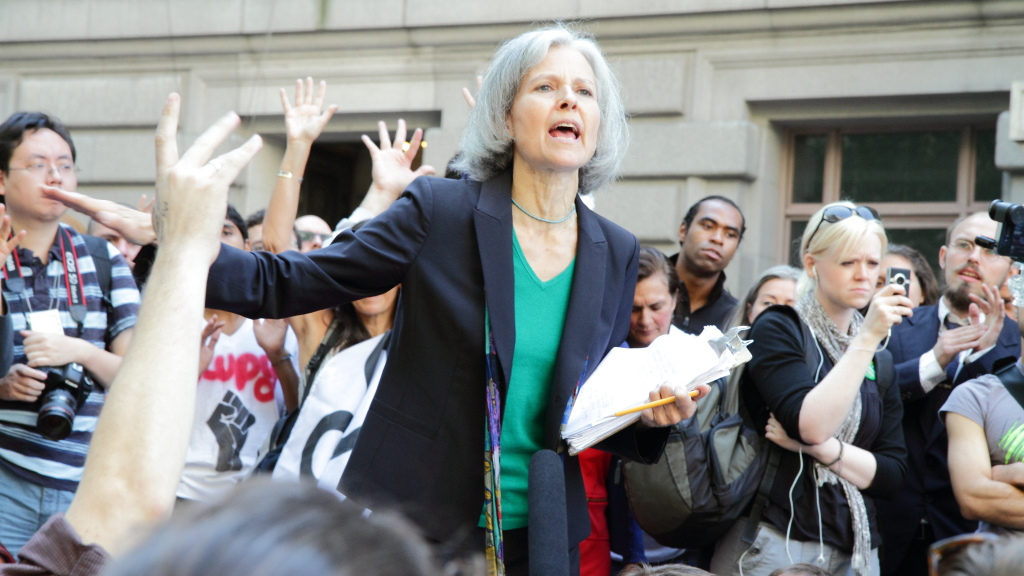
(835,344)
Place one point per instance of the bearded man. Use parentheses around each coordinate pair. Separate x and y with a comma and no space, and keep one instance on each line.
(938,348)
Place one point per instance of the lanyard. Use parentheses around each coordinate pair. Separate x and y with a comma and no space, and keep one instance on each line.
(73,280)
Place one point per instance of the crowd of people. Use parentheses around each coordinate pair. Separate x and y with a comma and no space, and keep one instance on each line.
(369,397)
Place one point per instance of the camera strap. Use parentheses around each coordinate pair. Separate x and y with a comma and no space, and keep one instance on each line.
(73,281)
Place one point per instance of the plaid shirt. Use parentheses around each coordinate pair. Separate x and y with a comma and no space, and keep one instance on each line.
(26,453)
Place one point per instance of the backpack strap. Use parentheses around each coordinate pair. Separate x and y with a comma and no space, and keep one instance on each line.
(1013,380)
(98,249)
(327,343)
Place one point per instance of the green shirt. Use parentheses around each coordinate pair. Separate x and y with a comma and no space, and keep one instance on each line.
(540,309)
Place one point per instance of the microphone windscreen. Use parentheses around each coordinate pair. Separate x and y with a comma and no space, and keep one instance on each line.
(549,526)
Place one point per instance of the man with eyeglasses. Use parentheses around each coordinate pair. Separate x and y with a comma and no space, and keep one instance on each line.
(313,232)
(72,321)
(936,349)
(985,420)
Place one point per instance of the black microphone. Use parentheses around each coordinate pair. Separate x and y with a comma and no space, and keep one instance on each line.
(549,525)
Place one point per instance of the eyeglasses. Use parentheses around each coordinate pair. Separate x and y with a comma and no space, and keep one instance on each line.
(310,236)
(967,247)
(947,549)
(43,169)
(834,214)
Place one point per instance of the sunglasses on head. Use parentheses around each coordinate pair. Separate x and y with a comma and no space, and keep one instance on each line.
(839,212)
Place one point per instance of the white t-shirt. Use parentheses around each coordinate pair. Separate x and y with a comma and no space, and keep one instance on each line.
(328,424)
(235,412)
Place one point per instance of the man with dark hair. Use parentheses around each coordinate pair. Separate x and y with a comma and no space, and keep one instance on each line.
(936,349)
(708,237)
(72,303)
(254,228)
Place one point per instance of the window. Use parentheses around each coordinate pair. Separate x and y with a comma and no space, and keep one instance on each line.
(918,180)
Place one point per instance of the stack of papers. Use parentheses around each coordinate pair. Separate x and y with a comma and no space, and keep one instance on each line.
(626,376)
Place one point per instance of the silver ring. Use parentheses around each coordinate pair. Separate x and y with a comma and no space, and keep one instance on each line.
(216,164)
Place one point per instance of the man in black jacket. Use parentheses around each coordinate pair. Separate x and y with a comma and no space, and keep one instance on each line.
(936,349)
(708,237)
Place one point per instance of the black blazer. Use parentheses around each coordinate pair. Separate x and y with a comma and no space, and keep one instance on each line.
(927,492)
(449,243)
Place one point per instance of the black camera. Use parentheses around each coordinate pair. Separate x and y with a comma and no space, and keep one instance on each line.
(67,387)
(1011,230)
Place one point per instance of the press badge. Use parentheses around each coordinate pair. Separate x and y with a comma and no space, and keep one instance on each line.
(45,321)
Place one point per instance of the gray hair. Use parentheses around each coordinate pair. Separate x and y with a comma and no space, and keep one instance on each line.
(486,145)
(740,316)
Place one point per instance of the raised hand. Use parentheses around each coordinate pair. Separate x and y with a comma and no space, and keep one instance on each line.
(270,335)
(192,190)
(888,307)
(991,306)
(307,118)
(208,341)
(392,164)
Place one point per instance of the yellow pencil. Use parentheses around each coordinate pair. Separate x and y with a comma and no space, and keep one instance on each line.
(655,404)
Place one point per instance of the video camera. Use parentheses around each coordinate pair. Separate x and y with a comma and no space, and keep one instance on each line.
(1011,230)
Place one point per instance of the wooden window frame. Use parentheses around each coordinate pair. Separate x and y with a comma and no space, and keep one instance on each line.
(897,215)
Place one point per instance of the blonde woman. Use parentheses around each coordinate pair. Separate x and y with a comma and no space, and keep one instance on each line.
(839,431)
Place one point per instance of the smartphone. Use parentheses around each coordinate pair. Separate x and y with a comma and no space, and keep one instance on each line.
(899,277)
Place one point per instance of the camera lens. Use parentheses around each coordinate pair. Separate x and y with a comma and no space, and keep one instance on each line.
(56,415)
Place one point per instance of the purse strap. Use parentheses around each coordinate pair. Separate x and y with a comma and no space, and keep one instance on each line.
(327,343)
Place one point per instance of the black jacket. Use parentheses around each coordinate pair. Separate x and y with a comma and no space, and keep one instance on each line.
(927,492)
(449,243)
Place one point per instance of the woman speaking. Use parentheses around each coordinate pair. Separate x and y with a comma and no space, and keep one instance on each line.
(512,293)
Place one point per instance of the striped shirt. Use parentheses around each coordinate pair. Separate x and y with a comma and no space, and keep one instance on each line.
(25,452)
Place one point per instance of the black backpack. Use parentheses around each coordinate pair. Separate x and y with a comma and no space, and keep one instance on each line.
(101,259)
(715,465)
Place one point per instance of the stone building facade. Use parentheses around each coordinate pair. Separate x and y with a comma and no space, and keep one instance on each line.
(779,104)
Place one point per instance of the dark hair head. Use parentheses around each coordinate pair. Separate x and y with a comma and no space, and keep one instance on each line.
(692,212)
(651,261)
(265,527)
(13,130)
(256,218)
(923,271)
(236,218)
